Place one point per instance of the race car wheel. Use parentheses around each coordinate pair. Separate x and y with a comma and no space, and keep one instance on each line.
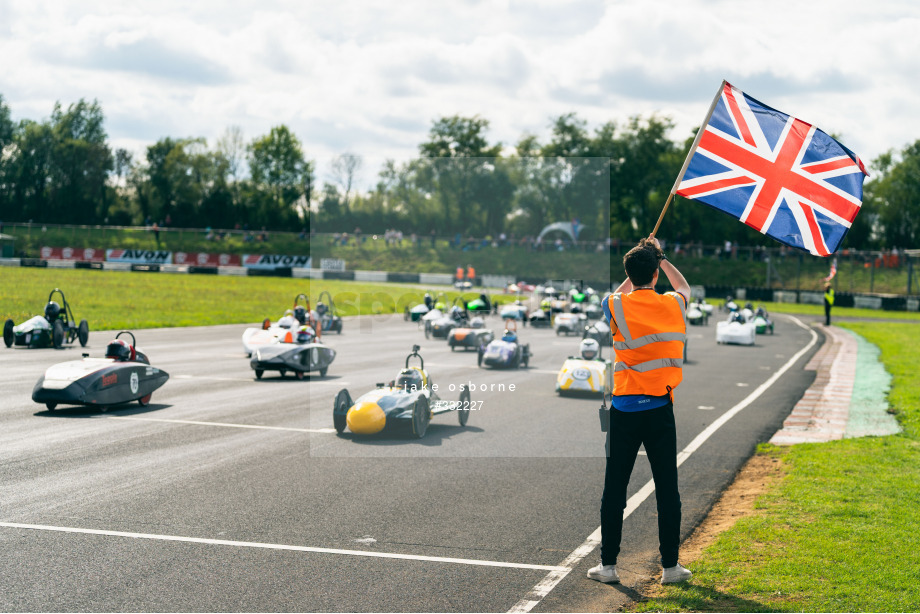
(340,410)
(259,373)
(300,375)
(526,356)
(406,315)
(479,358)
(559,332)
(57,335)
(145,400)
(463,413)
(322,372)
(338,327)
(421,416)
(83,332)
(51,406)
(8,336)
(427,330)
(453,348)
(283,372)
(266,324)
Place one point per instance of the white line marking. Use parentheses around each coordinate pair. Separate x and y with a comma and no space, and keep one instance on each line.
(224,424)
(226,542)
(543,588)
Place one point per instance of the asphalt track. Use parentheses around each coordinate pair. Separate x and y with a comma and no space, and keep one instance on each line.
(232,494)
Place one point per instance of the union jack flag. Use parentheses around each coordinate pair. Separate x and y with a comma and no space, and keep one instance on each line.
(779,175)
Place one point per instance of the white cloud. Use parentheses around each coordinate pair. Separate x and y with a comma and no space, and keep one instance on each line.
(370,76)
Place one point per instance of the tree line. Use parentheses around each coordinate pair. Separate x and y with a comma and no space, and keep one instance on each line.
(613,179)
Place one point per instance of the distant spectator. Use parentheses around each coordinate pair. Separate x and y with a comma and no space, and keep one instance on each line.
(156,233)
(168,221)
(433,235)
(209,234)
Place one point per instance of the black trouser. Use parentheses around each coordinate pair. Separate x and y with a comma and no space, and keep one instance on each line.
(827,313)
(655,429)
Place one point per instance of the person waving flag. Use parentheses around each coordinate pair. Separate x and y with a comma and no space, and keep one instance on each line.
(778,174)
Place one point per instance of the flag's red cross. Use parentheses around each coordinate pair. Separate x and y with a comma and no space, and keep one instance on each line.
(776,175)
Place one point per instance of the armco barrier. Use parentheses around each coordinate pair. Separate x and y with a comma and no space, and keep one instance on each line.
(300,273)
(204,270)
(811,298)
(235,271)
(36,262)
(116,266)
(10,261)
(374,276)
(403,278)
(281,271)
(437,279)
(343,275)
(146,268)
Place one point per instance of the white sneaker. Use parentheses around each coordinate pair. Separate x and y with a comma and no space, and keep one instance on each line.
(604,573)
(678,573)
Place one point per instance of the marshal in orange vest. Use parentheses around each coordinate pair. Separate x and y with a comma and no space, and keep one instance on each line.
(649,332)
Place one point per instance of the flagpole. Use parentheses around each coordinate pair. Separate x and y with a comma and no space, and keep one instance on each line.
(696,142)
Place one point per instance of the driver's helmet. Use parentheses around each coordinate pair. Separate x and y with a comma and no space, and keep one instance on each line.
(300,313)
(321,308)
(305,334)
(477,323)
(749,306)
(410,379)
(509,335)
(761,312)
(455,312)
(737,317)
(118,350)
(589,348)
(428,300)
(52,310)
(439,305)
(544,304)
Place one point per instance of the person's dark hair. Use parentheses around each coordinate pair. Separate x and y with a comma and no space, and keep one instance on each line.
(642,261)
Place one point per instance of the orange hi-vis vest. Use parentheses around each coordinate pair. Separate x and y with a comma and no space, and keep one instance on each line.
(649,338)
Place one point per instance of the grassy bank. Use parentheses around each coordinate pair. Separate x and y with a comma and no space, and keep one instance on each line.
(838,533)
(117,300)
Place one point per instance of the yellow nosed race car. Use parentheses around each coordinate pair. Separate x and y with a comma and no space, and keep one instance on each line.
(587,374)
(409,400)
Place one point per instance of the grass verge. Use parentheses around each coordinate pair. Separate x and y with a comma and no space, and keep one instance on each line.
(111,300)
(838,533)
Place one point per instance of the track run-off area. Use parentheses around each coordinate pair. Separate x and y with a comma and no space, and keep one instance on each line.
(229,493)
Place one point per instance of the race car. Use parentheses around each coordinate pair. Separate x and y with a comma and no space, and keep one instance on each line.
(53,329)
(589,373)
(569,323)
(600,332)
(123,376)
(696,316)
(542,317)
(328,319)
(297,351)
(481,305)
(762,322)
(409,400)
(506,352)
(440,328)
(592,307)
(300,315)
(735,330)
(514,311)
(473,337)
(416,312)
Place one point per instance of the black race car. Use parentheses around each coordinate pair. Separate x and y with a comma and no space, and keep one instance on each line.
(53,329)
(328,319)
(124,375)
(409,400)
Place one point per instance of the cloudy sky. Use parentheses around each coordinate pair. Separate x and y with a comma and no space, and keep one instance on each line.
(370,76)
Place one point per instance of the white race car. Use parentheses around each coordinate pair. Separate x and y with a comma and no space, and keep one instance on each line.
(569,323)
(735,330)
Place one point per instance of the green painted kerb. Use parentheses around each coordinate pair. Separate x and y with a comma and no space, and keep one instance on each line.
(868,404)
